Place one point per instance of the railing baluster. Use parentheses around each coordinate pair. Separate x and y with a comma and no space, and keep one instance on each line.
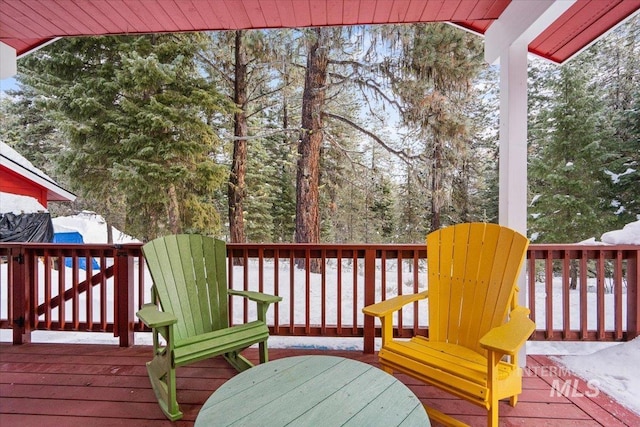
(339,292)
(276,290)
(566,306)
(245,284)
(416,280)
(292,297)
(548,282)
(600,297)
(307,291)
(369,297)
(399,290)
(633,295)
(89,292)
(584,287)
(74,286)
(617,289)
(354,298)
(62,276)
(47,290)
(103,292)
(323,293)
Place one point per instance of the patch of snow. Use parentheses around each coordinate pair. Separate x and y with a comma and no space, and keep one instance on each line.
(16,157)
(17,204)
(591,241)
(91,226)
(615,177)
(611,370)
(629,235)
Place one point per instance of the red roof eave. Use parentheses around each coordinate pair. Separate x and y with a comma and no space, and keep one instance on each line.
(26,26)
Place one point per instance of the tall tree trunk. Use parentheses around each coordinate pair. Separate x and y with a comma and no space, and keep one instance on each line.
(109,233)
(173,210)
(236,191)
(308,172)
(436,187)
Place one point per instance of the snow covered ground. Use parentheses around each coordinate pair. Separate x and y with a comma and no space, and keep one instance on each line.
(607,366)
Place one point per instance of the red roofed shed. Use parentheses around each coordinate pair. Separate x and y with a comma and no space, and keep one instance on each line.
(19,176)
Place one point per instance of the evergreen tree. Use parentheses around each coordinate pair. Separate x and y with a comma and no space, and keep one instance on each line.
(432,78)
(565,175)
(414,210)
(138,116)
(618,58)
(261,172)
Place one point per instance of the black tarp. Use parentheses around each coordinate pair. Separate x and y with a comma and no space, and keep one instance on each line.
(29,227)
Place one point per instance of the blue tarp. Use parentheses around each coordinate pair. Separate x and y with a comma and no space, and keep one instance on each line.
(74,237)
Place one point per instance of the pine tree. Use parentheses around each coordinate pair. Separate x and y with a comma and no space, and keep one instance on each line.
(566,178)
(432,78)
(618,57)
(138,116)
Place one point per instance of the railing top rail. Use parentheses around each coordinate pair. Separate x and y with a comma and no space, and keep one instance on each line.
(594,247)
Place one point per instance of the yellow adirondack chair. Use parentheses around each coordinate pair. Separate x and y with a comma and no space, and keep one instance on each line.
(476,327)
(190,281)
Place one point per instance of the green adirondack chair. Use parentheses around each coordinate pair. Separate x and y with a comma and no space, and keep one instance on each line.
(190,282)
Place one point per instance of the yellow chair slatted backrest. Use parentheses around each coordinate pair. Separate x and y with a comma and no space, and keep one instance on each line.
(468,266)
(189,275)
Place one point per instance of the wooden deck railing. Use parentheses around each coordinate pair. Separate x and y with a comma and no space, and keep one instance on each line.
(324,298)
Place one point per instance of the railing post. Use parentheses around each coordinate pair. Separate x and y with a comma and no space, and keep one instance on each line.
(369,298)
(633,296)
(20,282)
(124,302)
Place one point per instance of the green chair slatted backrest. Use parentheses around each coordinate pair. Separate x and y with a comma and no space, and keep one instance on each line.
(190,280)
(468,266)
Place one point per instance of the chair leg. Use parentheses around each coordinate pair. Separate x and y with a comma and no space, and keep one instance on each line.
(238,361)
(264,352)
(492,379)
(442,418)
(492,415)
(163,381)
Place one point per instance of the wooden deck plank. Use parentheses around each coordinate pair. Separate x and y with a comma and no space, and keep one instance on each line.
(596,403)
(100,385)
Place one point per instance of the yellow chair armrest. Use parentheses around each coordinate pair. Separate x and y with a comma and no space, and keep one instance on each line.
(154,318)
(508,338)
(394,304)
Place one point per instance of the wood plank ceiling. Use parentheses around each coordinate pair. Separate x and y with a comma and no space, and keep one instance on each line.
(28,24)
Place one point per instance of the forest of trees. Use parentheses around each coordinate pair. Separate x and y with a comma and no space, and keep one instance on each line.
(355,134)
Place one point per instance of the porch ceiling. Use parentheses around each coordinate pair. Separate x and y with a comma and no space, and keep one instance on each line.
(27,24)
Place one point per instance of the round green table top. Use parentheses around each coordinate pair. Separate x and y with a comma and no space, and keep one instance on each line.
(313,391)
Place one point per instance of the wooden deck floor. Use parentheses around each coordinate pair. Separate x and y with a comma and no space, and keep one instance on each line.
(101,385)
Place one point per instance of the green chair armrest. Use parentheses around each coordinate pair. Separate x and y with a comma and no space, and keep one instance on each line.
(256,296)
(154,318)
(508,338)
(394,304)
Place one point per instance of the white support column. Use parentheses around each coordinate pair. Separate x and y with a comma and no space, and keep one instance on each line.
(8,61)
(513,138)
(507,41)
(513,151)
